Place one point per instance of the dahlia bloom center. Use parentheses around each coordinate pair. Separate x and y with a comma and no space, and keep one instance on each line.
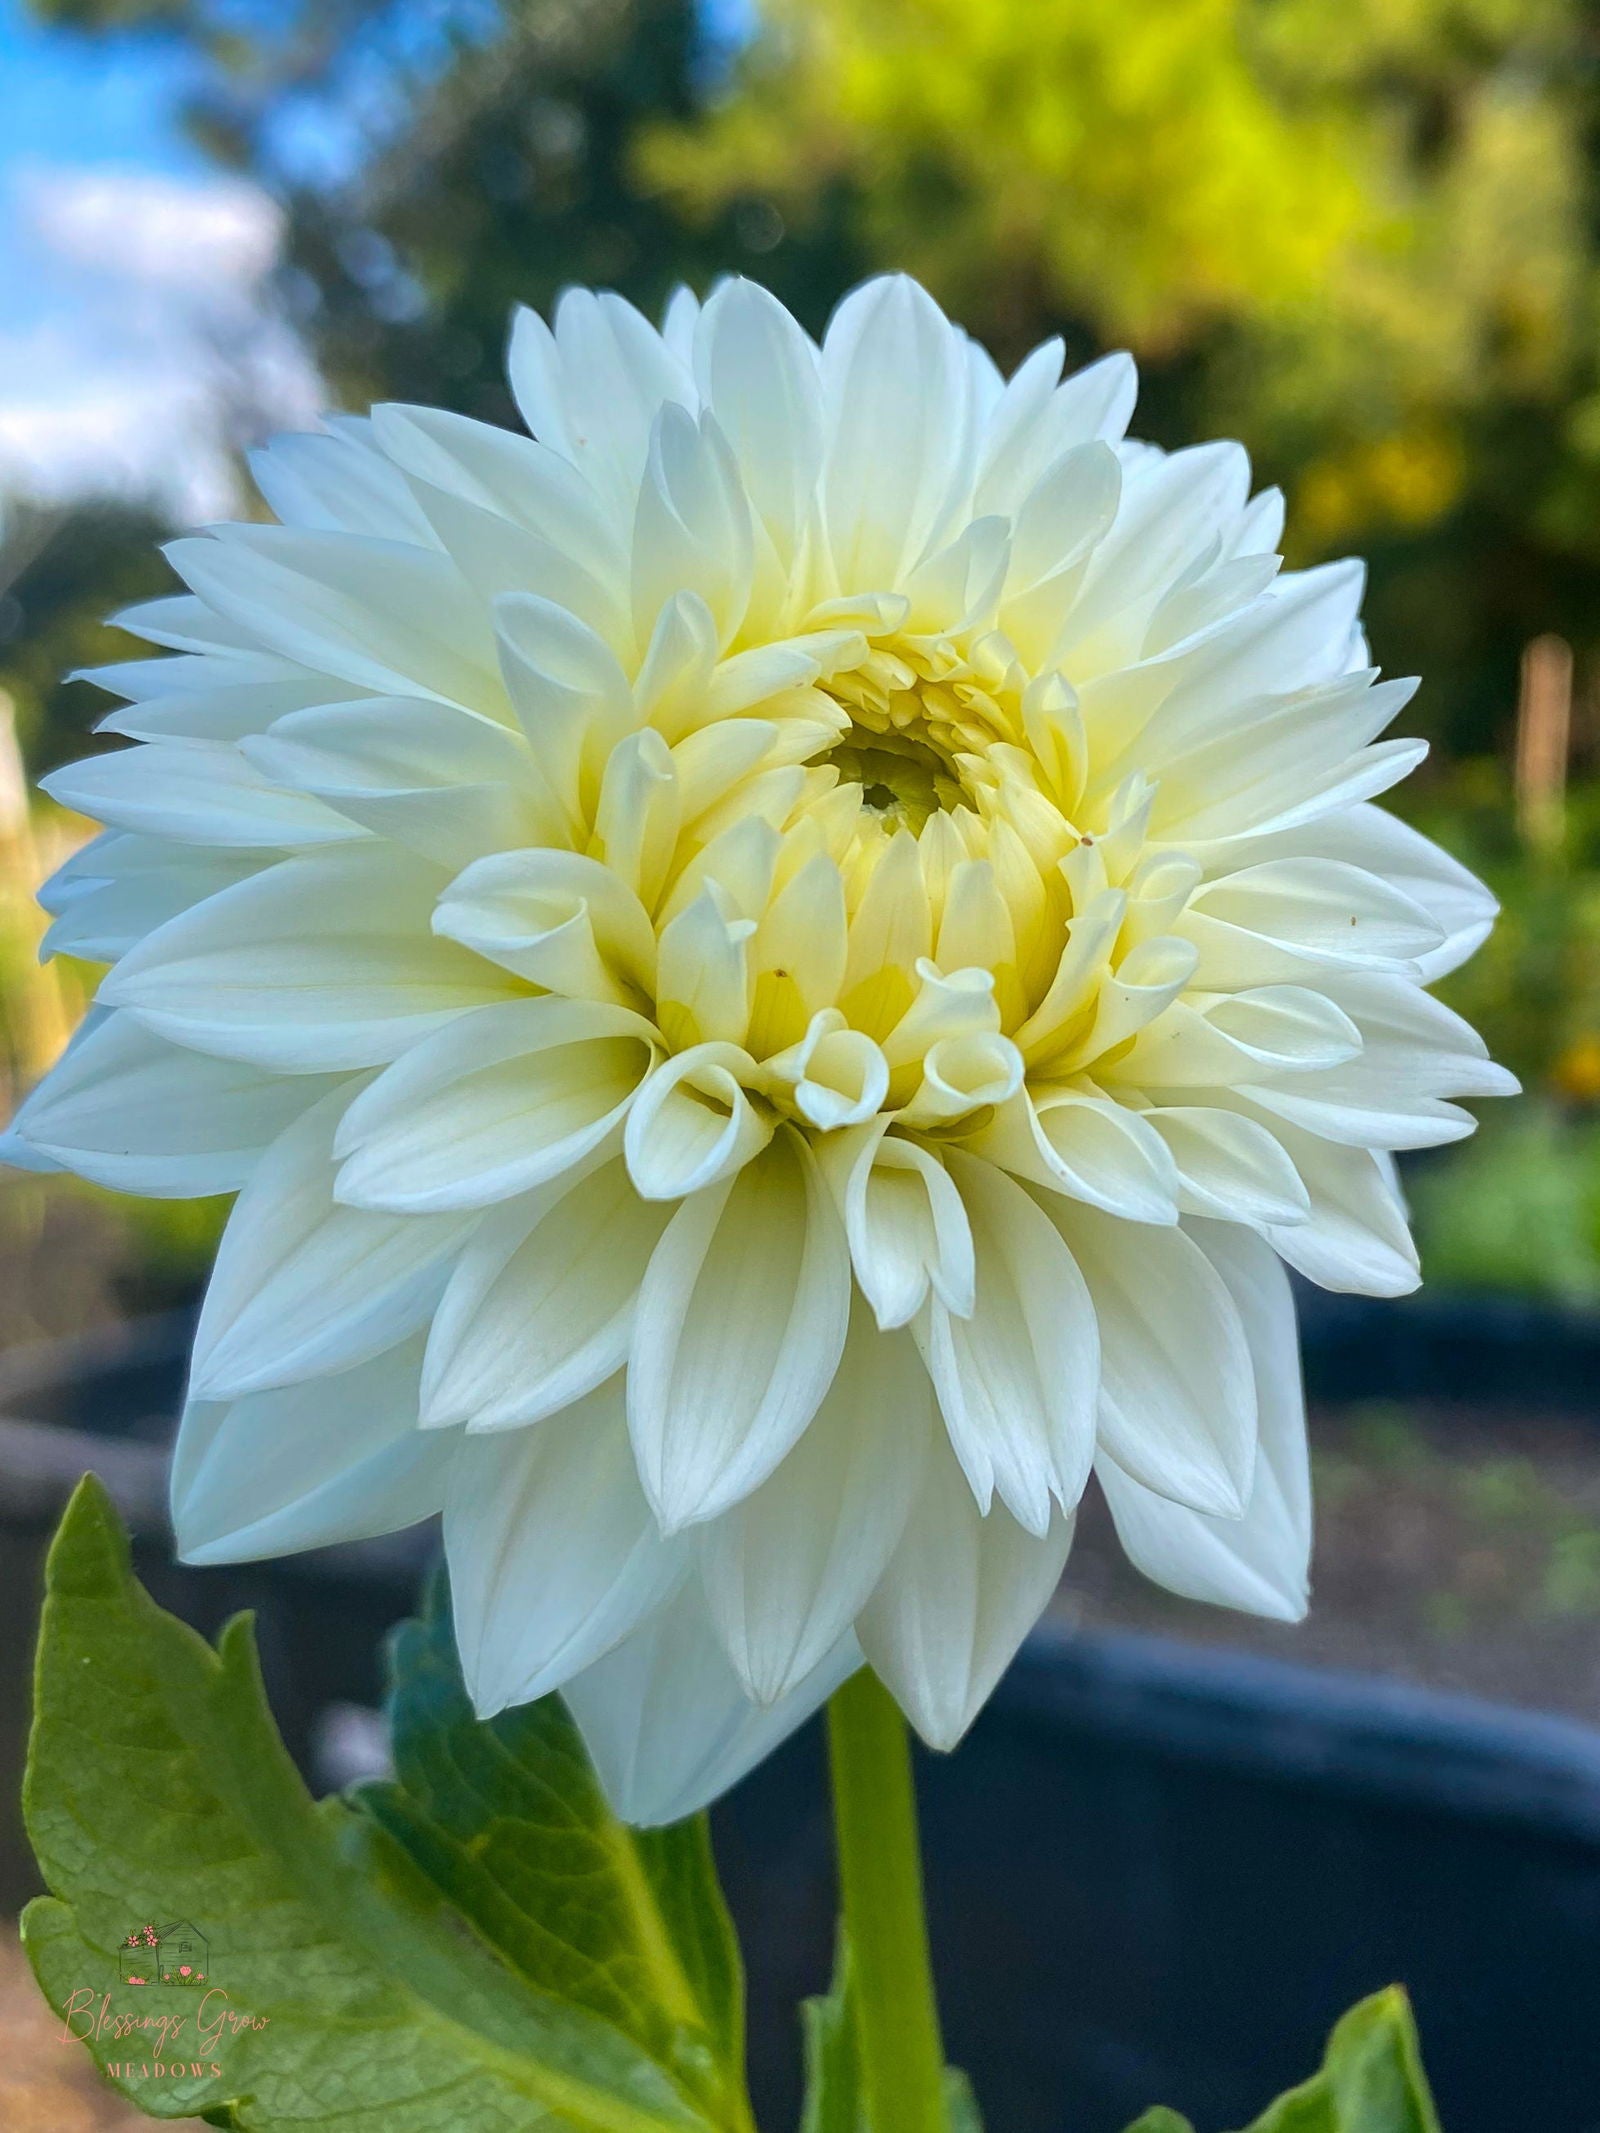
(927,928)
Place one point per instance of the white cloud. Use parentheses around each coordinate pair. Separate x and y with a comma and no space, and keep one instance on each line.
(163,232)
(138,348)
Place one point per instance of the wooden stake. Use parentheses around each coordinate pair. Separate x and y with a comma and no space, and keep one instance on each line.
(35,1019)
(1544,740)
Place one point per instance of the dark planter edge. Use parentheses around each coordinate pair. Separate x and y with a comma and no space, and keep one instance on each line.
(1351,1733)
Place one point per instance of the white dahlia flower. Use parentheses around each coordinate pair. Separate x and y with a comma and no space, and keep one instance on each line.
(776,968)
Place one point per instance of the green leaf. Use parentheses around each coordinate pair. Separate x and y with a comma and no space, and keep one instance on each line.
(158,1789)
(960,2105)
(506,1819)
(1371,2079)
(834,2099)
(1160,2120)
(834,2102)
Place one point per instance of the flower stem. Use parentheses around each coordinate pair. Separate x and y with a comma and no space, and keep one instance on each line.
(880,1878)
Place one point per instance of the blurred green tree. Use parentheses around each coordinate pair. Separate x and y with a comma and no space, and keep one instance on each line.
(439,163)
(61,573)
(443,160)
(1359,234)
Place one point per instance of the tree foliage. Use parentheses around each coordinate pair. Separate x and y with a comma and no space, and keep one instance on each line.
(1360,234)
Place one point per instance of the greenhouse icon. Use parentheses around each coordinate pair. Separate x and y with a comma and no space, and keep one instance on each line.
(177,1954)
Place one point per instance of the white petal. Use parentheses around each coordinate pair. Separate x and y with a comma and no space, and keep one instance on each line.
(196,793)
(446,782)
(499,557)
(187,625)
(1296,635)
(703,973)
(1177,1398)
(758,373)
(959,1596)
(1229,1166)
(302,1286)
(667,1724)
(1271,922)
(118,888)
(1458,903)
(800,948)
(1061,516)
(740,1326)
(591,389)
(1258,1561)
(570,695)
(1076,1142)
(1017,1379)
(639,814)
(692,1124)
(1171,504)
(787,1571)
(509,476)
(1238,1038)
(957,586)
(904,1221)
(678,323)
(554,1556)
(1037,420)
(201,696)
(1415,1053)
(338,482)
(559,919)
(317,964)
(836,1076)
(337,1459)
(692,530)
(539,1310)
(18,1154)
(384,615)
(493,1105)
(895,392)
(1356,1237)
(210,706)
(134,1113)
(1243,774)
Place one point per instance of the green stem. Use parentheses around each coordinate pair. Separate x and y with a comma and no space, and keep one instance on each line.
(880,1877)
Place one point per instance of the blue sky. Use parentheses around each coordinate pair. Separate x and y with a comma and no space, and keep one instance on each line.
(77,100)
(99,99)
(128,262)
(125,263)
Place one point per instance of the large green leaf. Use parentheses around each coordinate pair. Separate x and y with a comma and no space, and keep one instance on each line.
(506,1819)
(158,1789)
(1371,2079)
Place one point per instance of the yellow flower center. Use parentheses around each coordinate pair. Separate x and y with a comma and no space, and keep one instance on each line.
(904,774)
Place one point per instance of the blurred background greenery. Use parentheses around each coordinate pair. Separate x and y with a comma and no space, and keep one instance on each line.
(1361,235)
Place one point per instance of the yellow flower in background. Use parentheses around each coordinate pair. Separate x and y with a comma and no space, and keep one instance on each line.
(779,966)
(1576,1073)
